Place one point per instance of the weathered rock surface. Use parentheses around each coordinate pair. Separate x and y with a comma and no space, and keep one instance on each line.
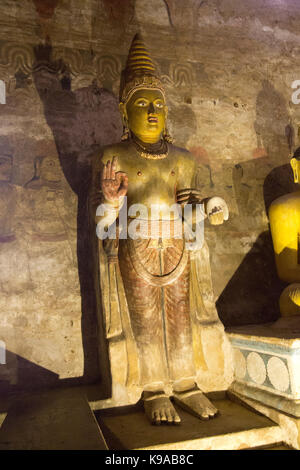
(228,68)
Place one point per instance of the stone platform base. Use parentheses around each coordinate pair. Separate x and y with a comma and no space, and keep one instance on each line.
(289,425)
(62,419)
(58,419)
(235,428)
(266,363)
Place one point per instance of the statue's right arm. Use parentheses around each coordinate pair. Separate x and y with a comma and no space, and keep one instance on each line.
(98,205)
(108,188)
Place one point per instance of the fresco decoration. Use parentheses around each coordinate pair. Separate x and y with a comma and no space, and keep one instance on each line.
(22,60)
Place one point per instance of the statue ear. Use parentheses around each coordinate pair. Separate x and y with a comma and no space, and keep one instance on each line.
(126,131)
(294,165)
(166,111)
(123,110)
(168,138)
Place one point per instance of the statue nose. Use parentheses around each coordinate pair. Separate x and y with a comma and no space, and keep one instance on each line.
(151,108)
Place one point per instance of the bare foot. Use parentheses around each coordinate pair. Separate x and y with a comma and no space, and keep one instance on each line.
(195,403)
(159,409)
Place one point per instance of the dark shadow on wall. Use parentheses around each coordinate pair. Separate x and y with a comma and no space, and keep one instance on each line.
(279,182)
(18,375)
(256,184)
(82,121)
(183,123)
(252,294)
(272,124)
(276,135)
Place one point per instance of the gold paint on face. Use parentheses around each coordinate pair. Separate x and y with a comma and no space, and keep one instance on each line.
(146,114)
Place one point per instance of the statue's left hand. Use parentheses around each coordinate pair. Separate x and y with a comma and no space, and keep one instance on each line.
(217,210)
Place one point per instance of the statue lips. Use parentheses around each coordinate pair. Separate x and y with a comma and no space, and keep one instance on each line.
(153,119)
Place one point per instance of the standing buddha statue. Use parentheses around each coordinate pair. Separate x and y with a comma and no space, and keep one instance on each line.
(156,294)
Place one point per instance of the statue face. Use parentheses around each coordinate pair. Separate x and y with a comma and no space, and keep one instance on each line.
(5,168)
(146,113)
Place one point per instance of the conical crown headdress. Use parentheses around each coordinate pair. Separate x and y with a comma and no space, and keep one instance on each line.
(139,72)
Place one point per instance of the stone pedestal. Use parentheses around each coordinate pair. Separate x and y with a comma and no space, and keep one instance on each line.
(267,362)
(236,427)
(58,419)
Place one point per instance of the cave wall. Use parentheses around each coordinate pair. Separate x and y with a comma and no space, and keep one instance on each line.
(227,66)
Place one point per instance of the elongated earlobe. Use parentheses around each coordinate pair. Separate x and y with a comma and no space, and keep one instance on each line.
(167,137)
(126,131)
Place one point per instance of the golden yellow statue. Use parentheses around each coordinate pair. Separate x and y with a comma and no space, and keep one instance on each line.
(284,218)
(156,294)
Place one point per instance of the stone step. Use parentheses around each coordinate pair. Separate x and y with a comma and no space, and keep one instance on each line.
(235,428)
(54,420)
(275,447)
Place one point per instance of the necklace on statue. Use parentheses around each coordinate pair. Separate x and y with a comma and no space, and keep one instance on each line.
(156,151)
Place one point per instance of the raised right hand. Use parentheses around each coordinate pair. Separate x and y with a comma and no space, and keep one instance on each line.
(113,184)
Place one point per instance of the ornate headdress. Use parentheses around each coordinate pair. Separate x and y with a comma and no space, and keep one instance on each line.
(140,72)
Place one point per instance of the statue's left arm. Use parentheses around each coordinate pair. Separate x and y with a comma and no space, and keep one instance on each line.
(215,208)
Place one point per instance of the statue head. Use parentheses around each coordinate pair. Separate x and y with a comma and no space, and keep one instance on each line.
(142,96)
(295,164)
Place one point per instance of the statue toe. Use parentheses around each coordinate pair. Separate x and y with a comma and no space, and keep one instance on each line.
(195,402)
(159,409)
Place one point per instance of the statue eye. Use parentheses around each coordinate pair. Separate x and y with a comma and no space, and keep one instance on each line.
(142,103)
(159,105)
